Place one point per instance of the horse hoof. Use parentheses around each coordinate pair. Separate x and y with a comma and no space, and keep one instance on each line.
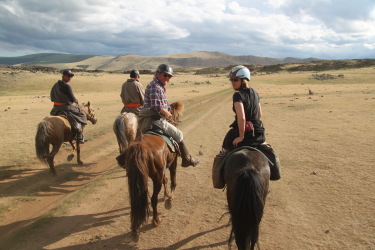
(156,221)
(70,157)
(135,236)
(80,162)
(168,204)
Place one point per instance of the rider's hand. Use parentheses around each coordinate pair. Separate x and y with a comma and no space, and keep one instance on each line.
(166,113)
(237,140)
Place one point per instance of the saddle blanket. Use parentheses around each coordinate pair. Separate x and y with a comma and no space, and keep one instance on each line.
(172,144)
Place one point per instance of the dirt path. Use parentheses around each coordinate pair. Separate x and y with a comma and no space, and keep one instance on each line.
(316,205)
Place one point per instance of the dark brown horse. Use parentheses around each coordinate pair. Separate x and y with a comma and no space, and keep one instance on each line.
(149,158)
(55,130)
(126,129)
(246,174)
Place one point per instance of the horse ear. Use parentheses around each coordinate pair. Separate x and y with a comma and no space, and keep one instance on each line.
(88,103)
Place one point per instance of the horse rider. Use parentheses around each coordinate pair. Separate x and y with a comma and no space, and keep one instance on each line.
(66,104)
(247,129)
(132,93)
(155,112)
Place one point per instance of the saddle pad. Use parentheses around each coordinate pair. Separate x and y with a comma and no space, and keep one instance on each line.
(170,144)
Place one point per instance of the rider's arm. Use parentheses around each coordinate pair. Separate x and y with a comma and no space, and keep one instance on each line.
(241,120)
(68,91)
(165,113)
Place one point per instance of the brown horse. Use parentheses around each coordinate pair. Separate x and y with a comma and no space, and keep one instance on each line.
(246,174)
(126,129)
(149,157)
(55,130)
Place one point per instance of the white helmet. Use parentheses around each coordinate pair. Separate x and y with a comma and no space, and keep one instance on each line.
(240,72)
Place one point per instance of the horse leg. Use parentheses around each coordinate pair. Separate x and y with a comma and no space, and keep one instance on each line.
(165,184)
(71,156)
(172,171)
(51,157)
(167,195)
(79,154)
(154,200)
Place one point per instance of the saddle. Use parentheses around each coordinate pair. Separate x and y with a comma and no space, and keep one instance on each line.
(172,144)
(76,126)
(219,163)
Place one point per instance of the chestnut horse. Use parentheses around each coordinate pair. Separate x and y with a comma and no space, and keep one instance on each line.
(55,130)
(149,157)
(126,129)
(246,174)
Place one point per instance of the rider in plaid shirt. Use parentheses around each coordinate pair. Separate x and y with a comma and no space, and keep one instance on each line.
(157,107)
(156,98)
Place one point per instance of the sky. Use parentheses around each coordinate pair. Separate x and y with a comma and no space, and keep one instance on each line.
(325,29)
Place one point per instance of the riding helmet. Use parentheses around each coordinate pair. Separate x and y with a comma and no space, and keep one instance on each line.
(165,68)
(240,72)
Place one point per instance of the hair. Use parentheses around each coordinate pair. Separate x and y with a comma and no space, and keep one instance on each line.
(244,84)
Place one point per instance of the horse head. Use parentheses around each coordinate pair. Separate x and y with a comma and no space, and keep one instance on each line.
(89,111)
(176,110)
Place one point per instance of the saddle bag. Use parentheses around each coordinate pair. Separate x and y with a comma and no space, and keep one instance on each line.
(249,127)
(217,175)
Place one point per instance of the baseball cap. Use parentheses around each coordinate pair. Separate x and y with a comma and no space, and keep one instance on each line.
(67,72)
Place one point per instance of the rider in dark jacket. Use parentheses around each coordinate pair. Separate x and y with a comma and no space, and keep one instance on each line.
(66,104)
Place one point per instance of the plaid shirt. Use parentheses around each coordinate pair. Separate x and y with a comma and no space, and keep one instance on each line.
(155,97)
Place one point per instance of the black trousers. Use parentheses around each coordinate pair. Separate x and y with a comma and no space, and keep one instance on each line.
(249,139)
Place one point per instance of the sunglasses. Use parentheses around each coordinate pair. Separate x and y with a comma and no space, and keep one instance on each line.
(166,75)
(234,80)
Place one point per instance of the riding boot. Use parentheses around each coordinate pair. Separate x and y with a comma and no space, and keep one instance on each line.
(79,130)
(272,156)
(217,175)
(76,128)
(187,160)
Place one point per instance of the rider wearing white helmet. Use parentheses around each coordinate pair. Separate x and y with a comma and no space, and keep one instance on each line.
(247,129)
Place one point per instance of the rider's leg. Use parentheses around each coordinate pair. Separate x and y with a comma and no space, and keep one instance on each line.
(178,136)
(273,157)
(187,160)
(80,137)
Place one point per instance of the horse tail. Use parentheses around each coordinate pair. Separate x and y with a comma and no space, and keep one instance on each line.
(42,140)
(247,209)
(119,128)
(137,171)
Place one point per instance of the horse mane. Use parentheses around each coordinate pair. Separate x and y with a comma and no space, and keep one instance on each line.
(177,109)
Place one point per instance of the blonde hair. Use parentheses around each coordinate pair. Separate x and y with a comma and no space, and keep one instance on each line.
(244,84)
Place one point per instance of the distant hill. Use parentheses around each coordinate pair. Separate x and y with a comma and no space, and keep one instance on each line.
(43,59)
(192,60)
(128,62)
